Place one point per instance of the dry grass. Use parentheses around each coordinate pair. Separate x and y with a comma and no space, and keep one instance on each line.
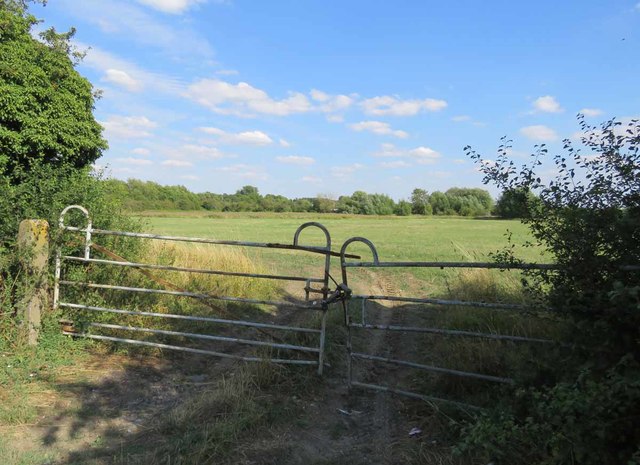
(206,426)
(194,256)
(220,258)
(486,356)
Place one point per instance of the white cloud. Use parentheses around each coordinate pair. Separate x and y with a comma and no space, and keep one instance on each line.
(311,179)
(177,40)
(284,143)
(127,171)
(345,170)
(319,96)
(177,163)
(335,118)
(127,75)
(332,103)
(190,177)
(98,168)
(389,150)
(171,6)
(459,161)
(127,127)
(461,118)
(227,72)
(245,172)
(424,155)
(122,79)
(199,151)
(395,164)
(539,133)
(591,112)
(141,151)
(296,160)
(388,105)
(135,161)
(242,99)
(240,138)
(378,127)
(547,104)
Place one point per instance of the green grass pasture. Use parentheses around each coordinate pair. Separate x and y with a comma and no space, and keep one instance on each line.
(396,239)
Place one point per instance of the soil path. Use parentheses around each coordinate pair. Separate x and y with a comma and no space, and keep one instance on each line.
(112,399)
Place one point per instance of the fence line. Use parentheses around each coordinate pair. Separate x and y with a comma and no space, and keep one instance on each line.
(342,294)
(321,304)
(363,325)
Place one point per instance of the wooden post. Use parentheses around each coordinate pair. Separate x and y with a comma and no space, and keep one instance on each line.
(33,246)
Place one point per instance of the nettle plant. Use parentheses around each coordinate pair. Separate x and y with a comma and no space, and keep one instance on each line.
(587,215)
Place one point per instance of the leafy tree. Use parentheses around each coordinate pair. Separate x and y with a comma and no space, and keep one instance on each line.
(588,217)
(515,203)
(419,202)
(440,204)
(346,204)
(46,108)
(469,202)
(382,204)
(212,202)
(302,205)
(403,208)
(323,204)
(276,203)
(363,203)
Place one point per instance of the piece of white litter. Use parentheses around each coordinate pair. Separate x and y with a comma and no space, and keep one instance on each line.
(349,413)
(414,432)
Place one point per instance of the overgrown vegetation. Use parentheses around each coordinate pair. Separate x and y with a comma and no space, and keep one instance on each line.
(43,167)
(587,410)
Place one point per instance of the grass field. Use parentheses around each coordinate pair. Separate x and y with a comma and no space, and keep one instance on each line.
(396,239)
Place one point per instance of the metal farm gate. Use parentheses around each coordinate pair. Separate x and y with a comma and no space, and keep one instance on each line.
(361,323)
(302,342)
(310,353)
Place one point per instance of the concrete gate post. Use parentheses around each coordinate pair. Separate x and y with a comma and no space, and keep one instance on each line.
(33,247)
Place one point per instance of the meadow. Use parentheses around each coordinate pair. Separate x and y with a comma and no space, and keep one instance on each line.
(412,238)
(396,238)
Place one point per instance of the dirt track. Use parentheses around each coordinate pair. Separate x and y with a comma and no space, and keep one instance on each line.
(110,403)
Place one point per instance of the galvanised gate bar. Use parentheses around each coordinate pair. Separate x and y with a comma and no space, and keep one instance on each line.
(321,306)
(362,323)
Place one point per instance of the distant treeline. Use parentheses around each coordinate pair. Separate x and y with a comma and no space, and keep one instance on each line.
(139,195)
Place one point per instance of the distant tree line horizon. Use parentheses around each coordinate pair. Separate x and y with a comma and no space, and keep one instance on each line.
(137,195)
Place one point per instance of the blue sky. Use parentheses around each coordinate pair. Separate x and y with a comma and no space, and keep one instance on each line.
(327,97)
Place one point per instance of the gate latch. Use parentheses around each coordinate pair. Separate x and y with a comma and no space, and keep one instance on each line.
(341,294)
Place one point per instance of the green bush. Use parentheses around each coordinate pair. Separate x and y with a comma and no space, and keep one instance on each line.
(41,193)
(591,421)
(587,216)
